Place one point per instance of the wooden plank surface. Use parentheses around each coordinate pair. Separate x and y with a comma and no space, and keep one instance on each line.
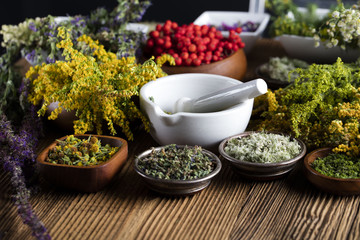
(230,208)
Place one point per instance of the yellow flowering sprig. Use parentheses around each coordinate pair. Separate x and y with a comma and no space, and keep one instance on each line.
(98,86)
(322,107)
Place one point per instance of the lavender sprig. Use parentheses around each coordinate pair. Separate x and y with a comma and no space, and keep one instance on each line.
(18,158)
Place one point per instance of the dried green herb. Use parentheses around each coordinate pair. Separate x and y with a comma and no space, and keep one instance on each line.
(175,162)
(80,152)
(280,68)
(263,147)
(338,165)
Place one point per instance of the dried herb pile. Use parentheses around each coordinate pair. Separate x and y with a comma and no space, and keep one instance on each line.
(338,165)
(174,162)
(263,147)
(80,152)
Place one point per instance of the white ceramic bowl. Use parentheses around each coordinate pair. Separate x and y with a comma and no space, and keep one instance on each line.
(183,128)
(304,47)
(231,17)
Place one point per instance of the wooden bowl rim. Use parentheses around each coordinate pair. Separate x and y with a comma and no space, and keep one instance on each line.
(227,59)
(325,150)
(43,154)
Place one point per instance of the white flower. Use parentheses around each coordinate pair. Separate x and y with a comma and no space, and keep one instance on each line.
(329,45)
(341,24)
(335,14)
(334,41)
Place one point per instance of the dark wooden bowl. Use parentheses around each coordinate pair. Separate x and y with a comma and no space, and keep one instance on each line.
(261,171)
(233,66)
(85,178)
(332,185)
(177,187)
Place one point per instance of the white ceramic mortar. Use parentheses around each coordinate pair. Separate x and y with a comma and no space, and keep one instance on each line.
(204,129)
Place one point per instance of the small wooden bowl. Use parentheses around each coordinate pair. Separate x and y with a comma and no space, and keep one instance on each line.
(338,186)
(233,66)
(85,178)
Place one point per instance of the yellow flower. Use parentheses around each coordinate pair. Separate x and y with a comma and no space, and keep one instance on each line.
(98,86)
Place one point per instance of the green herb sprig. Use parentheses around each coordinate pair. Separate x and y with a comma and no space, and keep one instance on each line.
(179,163)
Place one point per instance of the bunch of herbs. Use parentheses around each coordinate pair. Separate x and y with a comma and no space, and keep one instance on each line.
(322,107)
(35,39)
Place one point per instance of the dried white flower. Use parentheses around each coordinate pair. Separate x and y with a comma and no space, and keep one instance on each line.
(263,147)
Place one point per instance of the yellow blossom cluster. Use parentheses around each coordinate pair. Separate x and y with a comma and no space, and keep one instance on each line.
(347,128)
(322,108)
(98,86)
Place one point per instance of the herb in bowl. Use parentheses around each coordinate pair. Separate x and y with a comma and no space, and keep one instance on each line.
(177,163)
(263,147)
(80,152)
(338,165)
(280,68)
(248,26)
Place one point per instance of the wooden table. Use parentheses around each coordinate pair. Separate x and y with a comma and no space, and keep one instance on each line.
(230,208)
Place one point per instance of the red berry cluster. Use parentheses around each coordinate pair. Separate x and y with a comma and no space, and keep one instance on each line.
(192,45)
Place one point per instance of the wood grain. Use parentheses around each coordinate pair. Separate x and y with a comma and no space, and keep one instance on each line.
(230,208)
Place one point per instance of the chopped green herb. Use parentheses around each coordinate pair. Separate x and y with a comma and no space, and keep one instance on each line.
(338,165)
(263,147)
(174,162)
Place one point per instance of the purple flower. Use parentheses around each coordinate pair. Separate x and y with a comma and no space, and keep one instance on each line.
(49,34)
(78,21)
(17,156)
(17,153)
(104,29)
(50,59)
(33,27)
(30,56)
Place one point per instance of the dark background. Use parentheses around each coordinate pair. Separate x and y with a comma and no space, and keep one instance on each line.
(181,11)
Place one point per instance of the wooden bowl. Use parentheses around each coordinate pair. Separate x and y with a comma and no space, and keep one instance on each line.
(233,66)
(85,178)
(338,186)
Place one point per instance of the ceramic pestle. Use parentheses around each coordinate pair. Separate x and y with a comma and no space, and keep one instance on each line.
(223,98)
